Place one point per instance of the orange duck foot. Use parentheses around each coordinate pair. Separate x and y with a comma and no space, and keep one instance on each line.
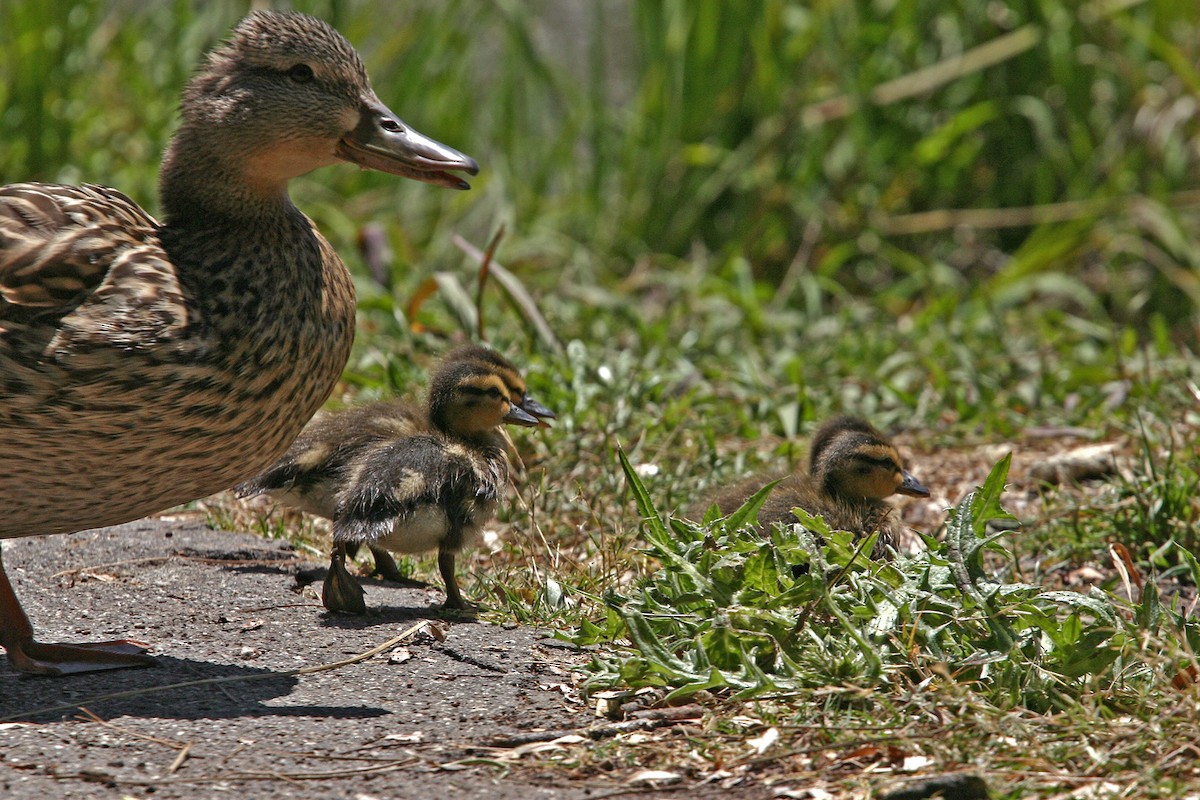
(36,658)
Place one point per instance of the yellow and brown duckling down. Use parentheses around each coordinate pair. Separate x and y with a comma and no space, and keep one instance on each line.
(853,469)
(405,478)
(147,364)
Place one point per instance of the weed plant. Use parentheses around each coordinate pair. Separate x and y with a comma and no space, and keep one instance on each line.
(733,613)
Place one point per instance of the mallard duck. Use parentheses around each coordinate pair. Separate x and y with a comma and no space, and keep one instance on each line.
(147,364)
(405,478)
(852,469)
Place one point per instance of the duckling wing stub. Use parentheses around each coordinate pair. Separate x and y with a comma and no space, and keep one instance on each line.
(58,243)
(305,464)
(281,475)
(327,448)
(389,484)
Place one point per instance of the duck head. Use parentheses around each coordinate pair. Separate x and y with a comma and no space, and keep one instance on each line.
(287,94)
(477,390)
(852,460)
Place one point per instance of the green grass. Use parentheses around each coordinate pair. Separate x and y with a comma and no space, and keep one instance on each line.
(962,222)
(728,611)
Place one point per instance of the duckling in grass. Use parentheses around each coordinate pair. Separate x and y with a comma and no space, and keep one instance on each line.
(404,478)
(852,469)
(146,364)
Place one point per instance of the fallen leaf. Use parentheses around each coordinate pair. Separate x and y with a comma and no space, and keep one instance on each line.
(812,793)
(866,751)
(655,776)
(762,744)
(1185,677)
(541,747)
(743,721)
(608,703)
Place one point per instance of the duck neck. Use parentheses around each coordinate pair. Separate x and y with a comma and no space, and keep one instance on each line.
(442,418)
(204,183)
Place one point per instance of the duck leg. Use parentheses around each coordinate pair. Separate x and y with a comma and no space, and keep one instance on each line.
(385,565)
(386,568)
(36,658)
(341,591)
(454,598)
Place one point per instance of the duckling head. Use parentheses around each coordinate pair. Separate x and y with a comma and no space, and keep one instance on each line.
(477,390)
(850,459)
(284,95)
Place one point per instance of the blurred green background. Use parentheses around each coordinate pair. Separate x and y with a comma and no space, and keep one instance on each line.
(933,213)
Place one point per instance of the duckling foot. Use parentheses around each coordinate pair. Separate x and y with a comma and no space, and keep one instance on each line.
(341,591)
(37,658)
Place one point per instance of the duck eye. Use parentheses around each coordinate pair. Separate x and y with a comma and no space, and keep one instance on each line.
(301,73)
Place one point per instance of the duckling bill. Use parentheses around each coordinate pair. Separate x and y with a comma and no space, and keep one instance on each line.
(146,364)
(405,478)
(852,469)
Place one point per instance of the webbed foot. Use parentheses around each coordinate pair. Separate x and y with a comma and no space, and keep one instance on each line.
(341,591)
(38,658)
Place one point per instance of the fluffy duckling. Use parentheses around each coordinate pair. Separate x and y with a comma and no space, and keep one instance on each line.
(404,478)
(853,468)
(146,364)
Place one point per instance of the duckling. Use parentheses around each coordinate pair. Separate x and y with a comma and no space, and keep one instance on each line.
(146,364)
(404,478)
(852,469)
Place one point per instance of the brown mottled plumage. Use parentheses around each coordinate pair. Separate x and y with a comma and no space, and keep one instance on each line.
(852,469)
(146,364)
(407,478)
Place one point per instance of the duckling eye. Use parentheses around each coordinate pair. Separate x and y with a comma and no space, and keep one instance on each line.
(301,73)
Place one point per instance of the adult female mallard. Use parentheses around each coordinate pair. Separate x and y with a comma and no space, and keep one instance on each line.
(407,478)
(147,364)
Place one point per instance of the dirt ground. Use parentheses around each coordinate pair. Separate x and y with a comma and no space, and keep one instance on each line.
(442,712)
(458,707)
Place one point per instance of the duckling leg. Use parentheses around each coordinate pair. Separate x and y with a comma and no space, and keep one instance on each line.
(454,598)
(341,592)
(36,658)
(385,565)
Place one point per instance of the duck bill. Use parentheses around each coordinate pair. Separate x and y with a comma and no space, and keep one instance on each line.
(519,416)
(381,141)
(538,410)
(912,487)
